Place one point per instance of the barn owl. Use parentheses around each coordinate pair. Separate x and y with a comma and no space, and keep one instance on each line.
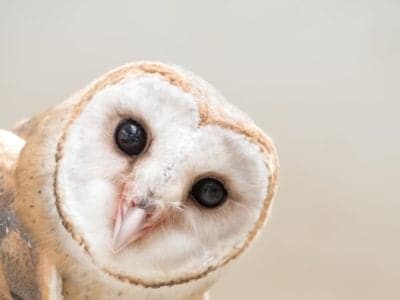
(145,184)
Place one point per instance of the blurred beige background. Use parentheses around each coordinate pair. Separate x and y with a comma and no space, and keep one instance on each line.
(322,77)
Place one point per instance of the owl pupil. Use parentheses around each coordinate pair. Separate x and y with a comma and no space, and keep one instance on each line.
(131,137)
(209,192)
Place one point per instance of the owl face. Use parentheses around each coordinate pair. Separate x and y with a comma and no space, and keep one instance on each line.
(159,180)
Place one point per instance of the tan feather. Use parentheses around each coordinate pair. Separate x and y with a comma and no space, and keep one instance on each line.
(21,273)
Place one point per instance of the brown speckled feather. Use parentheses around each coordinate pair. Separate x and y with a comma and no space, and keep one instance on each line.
(17,258)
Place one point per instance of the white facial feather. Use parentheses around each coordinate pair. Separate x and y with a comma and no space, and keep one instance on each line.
(180,152)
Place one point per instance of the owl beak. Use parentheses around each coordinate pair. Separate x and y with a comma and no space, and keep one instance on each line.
(130,225)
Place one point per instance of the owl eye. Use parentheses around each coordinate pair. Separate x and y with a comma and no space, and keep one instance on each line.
(209,192)
(131,137)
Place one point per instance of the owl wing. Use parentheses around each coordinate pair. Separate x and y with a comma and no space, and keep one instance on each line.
(24,271)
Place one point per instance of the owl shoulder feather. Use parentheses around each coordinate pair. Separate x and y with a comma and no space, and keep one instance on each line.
(25,272)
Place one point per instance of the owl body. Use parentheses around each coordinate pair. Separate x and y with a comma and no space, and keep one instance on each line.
(146,184)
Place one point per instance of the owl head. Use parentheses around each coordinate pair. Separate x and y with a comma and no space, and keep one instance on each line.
(149,175)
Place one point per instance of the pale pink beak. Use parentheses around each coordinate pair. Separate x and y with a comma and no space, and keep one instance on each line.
(130,225)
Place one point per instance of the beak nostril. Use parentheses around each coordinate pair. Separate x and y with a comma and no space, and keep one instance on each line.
(136,203)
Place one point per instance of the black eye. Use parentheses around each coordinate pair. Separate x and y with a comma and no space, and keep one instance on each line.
(209,192)
(131,137)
